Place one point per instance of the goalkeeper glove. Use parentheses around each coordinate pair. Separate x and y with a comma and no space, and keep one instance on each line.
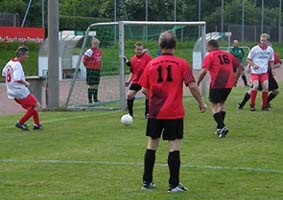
(126,61)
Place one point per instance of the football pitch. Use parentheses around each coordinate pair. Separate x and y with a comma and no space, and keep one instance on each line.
(90,155)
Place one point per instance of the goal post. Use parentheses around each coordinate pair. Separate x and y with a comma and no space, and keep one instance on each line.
(78,67)
(115,47)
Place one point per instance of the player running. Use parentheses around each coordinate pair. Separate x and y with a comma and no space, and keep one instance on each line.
(137,66)
(259,58)
(17,89)
(273,87)
(92,60)
(162,83)
(220,66)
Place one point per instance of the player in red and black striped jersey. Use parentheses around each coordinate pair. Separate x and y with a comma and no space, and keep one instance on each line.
(220,66)
(137,66)
(162,83)
(273,87)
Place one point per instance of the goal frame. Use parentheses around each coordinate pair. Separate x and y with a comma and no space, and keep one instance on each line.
(121,26)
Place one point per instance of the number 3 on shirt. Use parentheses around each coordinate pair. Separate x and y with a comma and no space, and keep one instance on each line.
(223,59)
(160,78)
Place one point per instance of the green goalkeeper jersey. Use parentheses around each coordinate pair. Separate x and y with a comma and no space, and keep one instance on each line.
(238,53)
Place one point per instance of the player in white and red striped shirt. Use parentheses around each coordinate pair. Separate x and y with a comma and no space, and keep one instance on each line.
(17,89)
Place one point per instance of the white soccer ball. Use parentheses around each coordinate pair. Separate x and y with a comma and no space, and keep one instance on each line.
(126,119)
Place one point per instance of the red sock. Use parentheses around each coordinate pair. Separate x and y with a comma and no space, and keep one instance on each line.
(36,117)
(27,115)
(264,99)
(253,97)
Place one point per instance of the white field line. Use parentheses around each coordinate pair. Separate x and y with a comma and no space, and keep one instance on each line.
(221,168)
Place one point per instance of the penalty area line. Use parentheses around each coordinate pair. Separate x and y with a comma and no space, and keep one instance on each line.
(198,167)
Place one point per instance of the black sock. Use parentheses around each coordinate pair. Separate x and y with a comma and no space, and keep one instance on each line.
(245,99)
(146,106)
(130,103)
(89,95)
(149,159)
(223,113)
(219,120)
(271,96)
(174,164)
(245,80)
(94,93)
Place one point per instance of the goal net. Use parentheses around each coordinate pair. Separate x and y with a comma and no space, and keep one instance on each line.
(117,39)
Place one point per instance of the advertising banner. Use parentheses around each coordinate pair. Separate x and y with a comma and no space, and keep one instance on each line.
(21,34)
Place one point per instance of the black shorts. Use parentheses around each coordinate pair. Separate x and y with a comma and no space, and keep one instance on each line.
(135,87)
(170,129)
(272,85)
(92,77)
(219,95)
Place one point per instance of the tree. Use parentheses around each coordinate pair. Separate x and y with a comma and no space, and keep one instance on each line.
(87,8)
(13,6)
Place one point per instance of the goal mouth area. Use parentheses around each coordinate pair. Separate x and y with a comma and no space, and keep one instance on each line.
(109,105)
(117,40)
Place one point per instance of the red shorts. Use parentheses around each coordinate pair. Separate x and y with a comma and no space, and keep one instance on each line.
(259,77)
(29,101)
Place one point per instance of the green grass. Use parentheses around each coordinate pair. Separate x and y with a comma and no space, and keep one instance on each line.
(90,155)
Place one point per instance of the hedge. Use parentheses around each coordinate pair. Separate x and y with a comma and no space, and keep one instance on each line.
(78,23)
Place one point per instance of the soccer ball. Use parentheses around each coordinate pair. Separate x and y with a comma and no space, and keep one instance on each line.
(126,119)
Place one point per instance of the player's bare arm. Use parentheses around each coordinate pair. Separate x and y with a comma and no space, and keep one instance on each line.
(145,92)
(201,75)
(250,62)
(194,89)
(127,83)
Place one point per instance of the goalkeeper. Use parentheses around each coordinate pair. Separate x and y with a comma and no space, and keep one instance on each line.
(137,66)
(92,60)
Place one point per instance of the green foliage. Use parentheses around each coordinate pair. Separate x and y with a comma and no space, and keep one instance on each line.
(7,52)
(90,155)
(78,23)
(161,10)
(13,6)
(90,8)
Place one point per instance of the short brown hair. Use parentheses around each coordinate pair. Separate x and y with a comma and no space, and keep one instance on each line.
(21,50)
(213,43)
(167,40)
(138,44)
